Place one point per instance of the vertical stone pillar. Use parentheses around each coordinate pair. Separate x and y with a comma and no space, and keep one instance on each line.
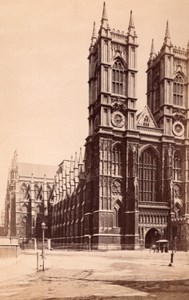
(35,244)
(45,196)
(32,197)
(49,244)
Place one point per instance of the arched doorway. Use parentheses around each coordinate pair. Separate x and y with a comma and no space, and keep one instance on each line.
(151,237)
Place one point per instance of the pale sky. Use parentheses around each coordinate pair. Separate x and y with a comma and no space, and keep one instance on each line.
(44,69)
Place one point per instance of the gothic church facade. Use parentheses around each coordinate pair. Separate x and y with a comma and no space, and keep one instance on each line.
(134,187)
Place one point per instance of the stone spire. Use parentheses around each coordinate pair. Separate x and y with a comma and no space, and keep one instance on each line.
(167,39)
(14,160)
(104,20)
(131,28)
(104,13)
(80,163)
(131,22)
(152,52)
(94,35)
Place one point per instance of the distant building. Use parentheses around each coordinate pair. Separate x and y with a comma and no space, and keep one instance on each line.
(29,199)
(135,186)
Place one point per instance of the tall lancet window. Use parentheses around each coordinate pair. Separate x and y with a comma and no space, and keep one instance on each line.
(118,78)
(148,176)
(118,214)
(117,161)
(178,90)
(177,168)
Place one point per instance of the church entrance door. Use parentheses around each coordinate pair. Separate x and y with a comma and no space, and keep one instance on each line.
(151,237)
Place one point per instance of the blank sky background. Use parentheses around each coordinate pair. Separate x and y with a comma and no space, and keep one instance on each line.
(44,69)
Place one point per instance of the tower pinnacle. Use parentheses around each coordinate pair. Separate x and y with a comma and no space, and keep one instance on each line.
(104,14)
(131,28)
(104,20)
(94,35)
(167,39)
(131,22)
(167,34)
(152,52)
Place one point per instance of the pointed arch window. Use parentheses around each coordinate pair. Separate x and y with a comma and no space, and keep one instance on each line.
(177,192)
(148,176)
(116,188)
(146,121)
(48,192)
(178,90)
(177,168)
(117,78)
(178,210)
(36,191)
(117,161)
(157,95)
(118,215)
(24,190)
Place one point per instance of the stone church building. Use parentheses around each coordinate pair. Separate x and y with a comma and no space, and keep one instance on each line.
(29,199)
(132,187)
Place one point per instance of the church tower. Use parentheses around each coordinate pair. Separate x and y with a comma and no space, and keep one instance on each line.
(167,87)
(111,215)
(168,99)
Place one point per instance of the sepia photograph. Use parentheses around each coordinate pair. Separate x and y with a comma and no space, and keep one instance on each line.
(94,149)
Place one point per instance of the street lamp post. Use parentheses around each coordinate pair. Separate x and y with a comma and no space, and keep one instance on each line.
(89,242)
(43,226)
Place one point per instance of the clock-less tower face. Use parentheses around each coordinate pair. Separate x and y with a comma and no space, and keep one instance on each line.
(118,119)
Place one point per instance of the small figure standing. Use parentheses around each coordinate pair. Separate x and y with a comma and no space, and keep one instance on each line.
(153,247)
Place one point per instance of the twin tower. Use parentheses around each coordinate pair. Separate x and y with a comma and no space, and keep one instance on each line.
(135,185)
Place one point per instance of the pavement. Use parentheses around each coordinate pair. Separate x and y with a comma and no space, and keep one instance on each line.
(95,275)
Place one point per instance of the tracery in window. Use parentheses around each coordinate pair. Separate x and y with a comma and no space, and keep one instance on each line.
(177,192)
(117,161)
(148,176)
(117,78)
(178,90)
(25,208)
(116,188)
(177,167)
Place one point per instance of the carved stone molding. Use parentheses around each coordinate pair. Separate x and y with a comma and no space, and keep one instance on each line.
(118,106)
